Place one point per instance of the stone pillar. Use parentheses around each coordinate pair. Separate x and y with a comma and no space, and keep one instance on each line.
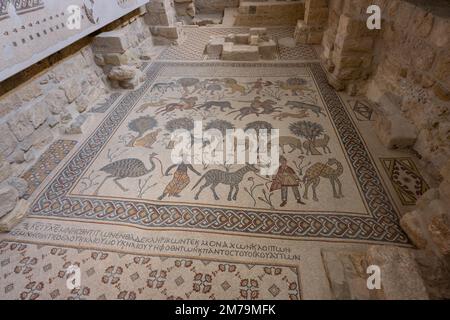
(310,30)
(348,44)
(185,10)
(161,17)
(115,53)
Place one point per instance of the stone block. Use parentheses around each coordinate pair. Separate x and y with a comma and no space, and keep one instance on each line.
(165,32)
(8,142)
(233,52)
(268,50)
(316,4)
(115,59)
(130,84)
(72,89)
(230,38)
(258,31)
(8,222)
(111,42)
(253,40)
(400,274)
(316,16)
(18,156)
(8,199)
(440,233)
(353,27)
(21,185)
(122,73)
(436,274)
(56,100)
(5,168)
(38,114)
(395,131)
(21,126)
(39,138)
(412,225)
(348,44)
(82,103)
(391,127)
(242,38)
(346,275)
(215,46)
(76,127)
(52,121)
(30,92)
(440,35)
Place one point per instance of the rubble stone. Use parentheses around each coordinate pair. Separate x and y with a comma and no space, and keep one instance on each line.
(122,73)
(8,222)
(21,126)
(111,42)
(412,225)
(8,142)
(5,168)
(21,185)
(8,199)
(401,279)
(240,52)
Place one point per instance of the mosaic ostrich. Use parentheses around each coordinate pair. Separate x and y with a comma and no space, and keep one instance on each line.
(126,168)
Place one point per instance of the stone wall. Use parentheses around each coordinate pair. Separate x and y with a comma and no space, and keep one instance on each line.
(161,16)
(408,59)
(310,29)
(215,6)
(404,69)
(413,63)
(39,105)
(270,13)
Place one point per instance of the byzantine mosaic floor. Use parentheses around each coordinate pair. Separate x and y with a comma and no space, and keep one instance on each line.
(113,204)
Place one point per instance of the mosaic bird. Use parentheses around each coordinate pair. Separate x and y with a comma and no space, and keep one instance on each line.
(126,168)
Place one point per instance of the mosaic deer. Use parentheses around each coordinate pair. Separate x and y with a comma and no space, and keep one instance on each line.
(215,177)
(324,170)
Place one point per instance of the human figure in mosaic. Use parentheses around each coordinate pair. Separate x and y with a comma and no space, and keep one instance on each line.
(258,85)
(180,180)
(285,178)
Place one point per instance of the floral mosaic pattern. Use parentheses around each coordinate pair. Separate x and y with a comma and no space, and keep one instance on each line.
(31,272)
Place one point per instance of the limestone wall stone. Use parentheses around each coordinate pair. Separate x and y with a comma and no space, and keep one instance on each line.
(215,6)
(54,102)
(120,52)
(412,62)
(407,58)
(270,13)
(404,69)
(161,16)
(310,29)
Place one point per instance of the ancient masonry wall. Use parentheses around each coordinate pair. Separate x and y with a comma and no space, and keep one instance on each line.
(310,29)
(54,101)
(407,58)
(215,6)
(162,18)
(269,13)
(404,68)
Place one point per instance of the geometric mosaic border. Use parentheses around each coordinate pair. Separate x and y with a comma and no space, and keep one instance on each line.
(381,226)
